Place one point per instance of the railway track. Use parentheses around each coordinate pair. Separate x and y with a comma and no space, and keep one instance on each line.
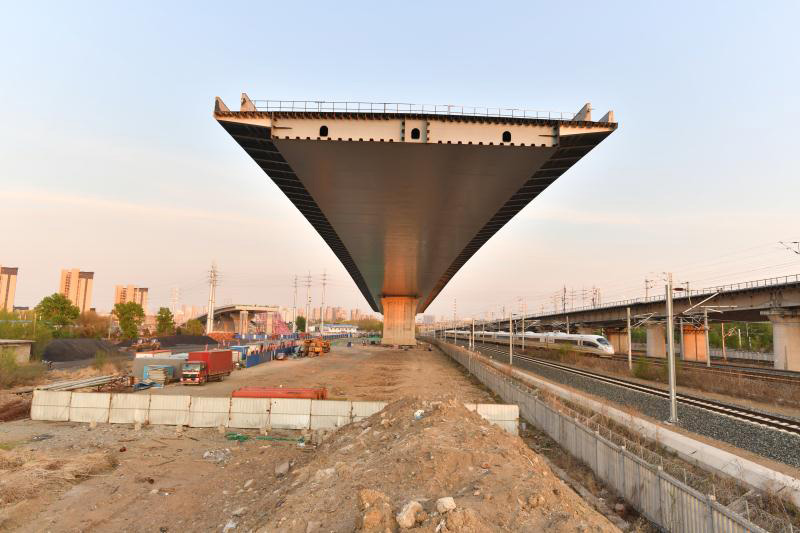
(765,374)
(739,413)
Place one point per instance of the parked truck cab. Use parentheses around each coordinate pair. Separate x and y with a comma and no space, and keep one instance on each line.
(194,373)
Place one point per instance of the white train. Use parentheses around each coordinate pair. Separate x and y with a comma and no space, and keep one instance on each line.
(596,344)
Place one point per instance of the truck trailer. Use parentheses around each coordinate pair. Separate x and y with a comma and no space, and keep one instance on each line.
(206,366)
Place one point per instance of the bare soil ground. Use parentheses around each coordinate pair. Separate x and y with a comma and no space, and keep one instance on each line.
(68,477)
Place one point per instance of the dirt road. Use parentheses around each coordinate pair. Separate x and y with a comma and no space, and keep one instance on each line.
(357,373)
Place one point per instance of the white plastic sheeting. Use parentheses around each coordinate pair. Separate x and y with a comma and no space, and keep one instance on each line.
(330,413)
(129,408)
(209,412)
(169,410)
(51,405)
(89,406)
(249,413)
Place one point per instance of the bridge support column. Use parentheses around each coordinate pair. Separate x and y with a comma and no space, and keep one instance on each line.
(398,320)
(618,337)
(785,338)
(244,321)
(656,340)
(694,340)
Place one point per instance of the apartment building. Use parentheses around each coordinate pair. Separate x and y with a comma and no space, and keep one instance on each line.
(77,287)
(8,287)
(128,293)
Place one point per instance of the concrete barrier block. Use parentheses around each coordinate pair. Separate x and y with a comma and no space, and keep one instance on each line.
(209,412)
(362,410)
(51,405)
(289,421)
(129,408)
(494,411)
(290,406)
(249,413)
(89,407)
(169,410)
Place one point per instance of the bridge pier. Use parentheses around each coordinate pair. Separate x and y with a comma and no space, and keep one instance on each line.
(785,337)
(694,340)
(398,320)
(618,337)
(244,321)
(656,340)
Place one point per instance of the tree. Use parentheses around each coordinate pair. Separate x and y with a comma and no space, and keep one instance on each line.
(193,327)
(90,324)
(130,316)
(301,323)
(57,310)
(165,322)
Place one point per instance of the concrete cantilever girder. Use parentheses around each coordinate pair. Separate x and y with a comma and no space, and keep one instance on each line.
(404,199)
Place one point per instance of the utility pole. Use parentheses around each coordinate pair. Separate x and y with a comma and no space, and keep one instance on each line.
(455,335)
(472,338)
(510,340)
(213,277)
(722,334)
(647,287)
(564,300)
(630,337)
(322,304)
(294,307)
(174,296)
(524,310)
(708,344)
(673,403)
(308,301)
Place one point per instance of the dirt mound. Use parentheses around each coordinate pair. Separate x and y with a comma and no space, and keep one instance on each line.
(76,349)
(27,474)
(13,407)
(400,468)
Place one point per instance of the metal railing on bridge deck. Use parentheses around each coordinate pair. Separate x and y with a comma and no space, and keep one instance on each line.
(708,291)
(321,106)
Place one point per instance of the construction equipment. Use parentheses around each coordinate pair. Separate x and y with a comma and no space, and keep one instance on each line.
(144,345)
(314,347)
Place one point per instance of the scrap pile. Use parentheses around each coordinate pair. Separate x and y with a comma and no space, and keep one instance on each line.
(443,470)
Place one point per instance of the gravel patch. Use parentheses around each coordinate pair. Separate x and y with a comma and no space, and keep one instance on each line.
(767,442)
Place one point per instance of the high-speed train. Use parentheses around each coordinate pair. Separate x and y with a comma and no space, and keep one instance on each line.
(596,344)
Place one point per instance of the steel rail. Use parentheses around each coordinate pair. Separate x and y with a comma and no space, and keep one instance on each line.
(738,413)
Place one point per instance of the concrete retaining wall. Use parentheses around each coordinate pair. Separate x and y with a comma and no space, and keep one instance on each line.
(237,413)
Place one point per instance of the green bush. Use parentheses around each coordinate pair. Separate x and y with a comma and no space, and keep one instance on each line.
(642,368)
(13,373)
(101,358)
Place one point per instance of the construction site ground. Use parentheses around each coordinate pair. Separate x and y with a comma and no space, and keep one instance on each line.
(71,477)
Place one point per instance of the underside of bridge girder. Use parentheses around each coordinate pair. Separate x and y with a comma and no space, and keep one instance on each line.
(405,199)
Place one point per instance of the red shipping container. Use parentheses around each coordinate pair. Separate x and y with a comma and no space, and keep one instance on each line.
(281,392)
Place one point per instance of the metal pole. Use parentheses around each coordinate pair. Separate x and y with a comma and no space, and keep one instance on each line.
(524,310)
(510,341)
(673,404)
(708,344)
(472,338)
(630,346)
(722,334)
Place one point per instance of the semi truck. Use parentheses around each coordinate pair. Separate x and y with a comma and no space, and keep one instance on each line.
(206,366)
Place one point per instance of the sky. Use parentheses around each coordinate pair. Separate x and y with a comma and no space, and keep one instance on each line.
(111,162)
